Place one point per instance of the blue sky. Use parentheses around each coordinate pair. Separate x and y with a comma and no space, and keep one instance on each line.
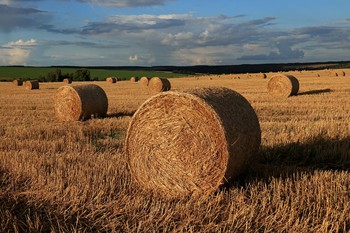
(172,32)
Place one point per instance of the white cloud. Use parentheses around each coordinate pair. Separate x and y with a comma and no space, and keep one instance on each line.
(16,52)
(177,39)
(133,58)
(22,43)
(209,55)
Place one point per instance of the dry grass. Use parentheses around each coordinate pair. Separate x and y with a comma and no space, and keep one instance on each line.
(59,177)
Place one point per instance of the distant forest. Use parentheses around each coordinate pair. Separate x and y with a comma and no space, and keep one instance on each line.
(231,69)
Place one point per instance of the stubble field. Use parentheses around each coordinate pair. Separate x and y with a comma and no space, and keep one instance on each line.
(73,177)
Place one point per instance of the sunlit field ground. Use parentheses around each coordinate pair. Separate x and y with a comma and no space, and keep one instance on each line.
(73,177)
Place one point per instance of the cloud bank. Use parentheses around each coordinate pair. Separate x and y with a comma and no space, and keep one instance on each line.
(162,39)
(16,52)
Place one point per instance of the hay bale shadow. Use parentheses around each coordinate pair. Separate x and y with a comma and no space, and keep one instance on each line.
(315,92)
(120,114)
(285,161)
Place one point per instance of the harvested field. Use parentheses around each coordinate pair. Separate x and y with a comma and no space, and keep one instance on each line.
(74,176)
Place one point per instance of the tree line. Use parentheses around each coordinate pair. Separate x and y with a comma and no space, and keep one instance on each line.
(59,76)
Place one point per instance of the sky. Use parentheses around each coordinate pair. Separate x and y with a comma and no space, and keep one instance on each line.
(172,32)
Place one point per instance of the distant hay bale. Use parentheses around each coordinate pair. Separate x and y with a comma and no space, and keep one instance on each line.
(111,79)
(134,79)
(194,141)
(67,80)
(262,75)
(144,81)
(283,85)
(342,73)
(159,84)
(32,84)
(78,103)
(17,82)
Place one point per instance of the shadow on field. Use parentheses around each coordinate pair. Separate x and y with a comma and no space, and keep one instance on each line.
(315,92)
(120,114)
(286,160)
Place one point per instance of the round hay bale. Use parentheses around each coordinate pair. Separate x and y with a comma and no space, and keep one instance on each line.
(67,80)
(111,79)
(78,103)
(32,84)
(283,85)
(191,142)
(17,82)
(262,75)
(134,79)
(144,81)
(342,73)
(159,84)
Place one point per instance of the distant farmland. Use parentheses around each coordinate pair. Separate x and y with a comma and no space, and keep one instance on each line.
(8,73)
(75,176)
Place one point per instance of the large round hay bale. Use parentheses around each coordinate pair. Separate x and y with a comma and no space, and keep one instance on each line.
(78,103)
(32,84)
(194,141)
(159,84)
(111,79)
(17,82)
(144,81)
(67,80)
(283,85)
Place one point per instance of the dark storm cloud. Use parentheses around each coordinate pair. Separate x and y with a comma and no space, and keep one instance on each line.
(126,3)
(326,33)
(306,38)
(84,44)
(135,23)
(284,53)
(12,17)
(221,33)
